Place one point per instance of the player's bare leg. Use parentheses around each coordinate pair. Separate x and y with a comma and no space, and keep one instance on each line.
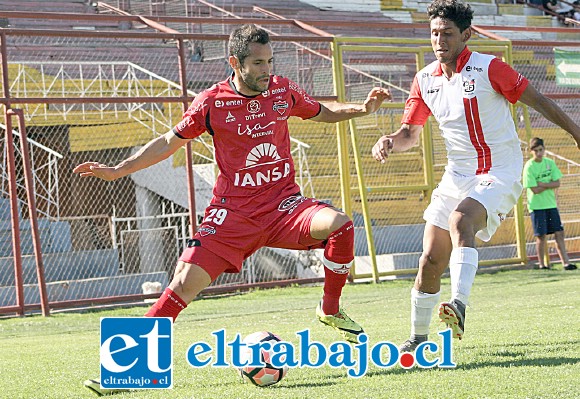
(426,291)
(337,229)
(188,281)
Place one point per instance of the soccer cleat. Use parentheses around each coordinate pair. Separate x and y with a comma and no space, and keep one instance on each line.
(453,314)
(347,327)
(570,266)
(411,344)
(95,386)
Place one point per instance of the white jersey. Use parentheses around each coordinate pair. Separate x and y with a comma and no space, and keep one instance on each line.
(472,109)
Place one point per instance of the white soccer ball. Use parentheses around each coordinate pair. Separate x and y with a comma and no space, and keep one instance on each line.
(268,374)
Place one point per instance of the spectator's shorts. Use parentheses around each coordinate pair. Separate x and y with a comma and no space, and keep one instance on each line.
(546,221)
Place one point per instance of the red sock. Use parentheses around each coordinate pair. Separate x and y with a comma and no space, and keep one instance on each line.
(339,250)
(169,304)
(333,283)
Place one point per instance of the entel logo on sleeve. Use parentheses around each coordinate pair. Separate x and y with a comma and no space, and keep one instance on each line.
(136,352)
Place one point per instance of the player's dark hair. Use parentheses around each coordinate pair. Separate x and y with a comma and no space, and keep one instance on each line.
(240,39)
(452,10)
(536,142)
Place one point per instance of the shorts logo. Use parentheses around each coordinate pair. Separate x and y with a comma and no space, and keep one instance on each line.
(486,183)
(254,107)
(136,352)
(206,230)
(291,203)
(280,107)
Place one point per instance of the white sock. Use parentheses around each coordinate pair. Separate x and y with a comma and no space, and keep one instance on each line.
(422,305)
(462,270)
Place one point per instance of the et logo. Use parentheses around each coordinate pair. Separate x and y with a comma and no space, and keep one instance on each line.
(136,352)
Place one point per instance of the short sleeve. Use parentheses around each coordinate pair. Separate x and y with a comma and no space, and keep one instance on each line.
(529,179)
(416,111)
(556,173)
(302,105)
(506,81)
(193,122)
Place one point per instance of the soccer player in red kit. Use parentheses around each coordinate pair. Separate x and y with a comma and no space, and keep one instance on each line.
(468,94)
(256,200)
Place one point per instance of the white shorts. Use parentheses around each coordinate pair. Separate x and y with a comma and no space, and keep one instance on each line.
(498,193)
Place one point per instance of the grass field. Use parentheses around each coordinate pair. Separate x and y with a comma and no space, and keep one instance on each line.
(522,341)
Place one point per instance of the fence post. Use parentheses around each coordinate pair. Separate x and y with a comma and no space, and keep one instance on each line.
(188,153)
(29,183)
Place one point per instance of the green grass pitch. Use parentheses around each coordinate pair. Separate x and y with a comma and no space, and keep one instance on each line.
(522,340)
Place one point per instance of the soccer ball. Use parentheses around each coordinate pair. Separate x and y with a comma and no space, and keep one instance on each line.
(261,376)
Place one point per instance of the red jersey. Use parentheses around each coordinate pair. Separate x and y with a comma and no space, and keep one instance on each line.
(251,140)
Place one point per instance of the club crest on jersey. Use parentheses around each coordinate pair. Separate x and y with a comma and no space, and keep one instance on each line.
(254,107)
(280,107)
(469,85)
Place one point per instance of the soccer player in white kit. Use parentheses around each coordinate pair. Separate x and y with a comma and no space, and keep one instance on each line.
(468,94)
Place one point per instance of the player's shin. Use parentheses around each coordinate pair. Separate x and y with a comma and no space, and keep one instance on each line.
(338,257)
(462,270)
(169,304)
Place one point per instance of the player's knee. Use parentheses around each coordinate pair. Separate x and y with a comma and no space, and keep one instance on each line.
(340,219)
(179,268)
(431,263)
(461,224)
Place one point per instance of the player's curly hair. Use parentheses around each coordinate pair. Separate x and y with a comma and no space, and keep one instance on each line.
(453,10)
(240,39)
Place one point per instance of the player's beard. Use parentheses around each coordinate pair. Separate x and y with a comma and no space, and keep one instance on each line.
(254,84)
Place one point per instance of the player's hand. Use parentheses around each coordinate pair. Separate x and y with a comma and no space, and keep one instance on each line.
(382,148)
(375,98)
(97,170)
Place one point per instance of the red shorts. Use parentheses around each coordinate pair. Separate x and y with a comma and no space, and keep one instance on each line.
(232,237)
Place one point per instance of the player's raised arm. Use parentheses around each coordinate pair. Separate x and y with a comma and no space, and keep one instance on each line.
(337,112)
(151,153)
(406,137)
(551,111)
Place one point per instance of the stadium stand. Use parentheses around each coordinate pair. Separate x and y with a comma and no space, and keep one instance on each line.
(397,216)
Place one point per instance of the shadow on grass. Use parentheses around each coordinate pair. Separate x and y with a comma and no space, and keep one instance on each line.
(306,385)
(539,362)
(546,361)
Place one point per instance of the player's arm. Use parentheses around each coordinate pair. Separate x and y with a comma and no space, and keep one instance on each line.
(551,111)
(151,153)
(337,112)
(406,137)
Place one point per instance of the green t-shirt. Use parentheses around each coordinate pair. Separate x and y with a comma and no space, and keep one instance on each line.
(545,172)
